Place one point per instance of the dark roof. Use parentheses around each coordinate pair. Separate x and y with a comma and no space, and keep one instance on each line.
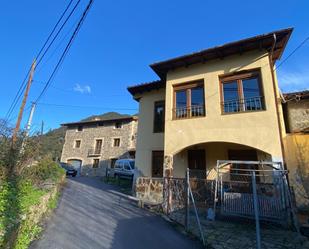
(296,95)
(106,117)
(147,86)
(264,41)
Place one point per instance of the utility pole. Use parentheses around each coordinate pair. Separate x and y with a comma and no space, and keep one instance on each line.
(42,128)
(30,119)
(22,107)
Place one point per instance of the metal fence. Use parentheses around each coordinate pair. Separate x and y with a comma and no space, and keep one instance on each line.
(239,204)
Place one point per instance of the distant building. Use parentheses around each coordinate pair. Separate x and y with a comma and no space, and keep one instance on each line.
(93,145)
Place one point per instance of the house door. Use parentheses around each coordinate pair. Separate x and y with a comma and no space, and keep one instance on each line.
(197,159)
(242,155)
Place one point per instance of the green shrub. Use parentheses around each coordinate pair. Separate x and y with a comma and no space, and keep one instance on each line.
(46,169)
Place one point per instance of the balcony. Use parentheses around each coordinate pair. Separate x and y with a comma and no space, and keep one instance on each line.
(243,105)
(94,152)
(189,112)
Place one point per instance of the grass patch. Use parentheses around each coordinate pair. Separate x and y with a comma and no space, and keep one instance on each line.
(53,202)
(125,185)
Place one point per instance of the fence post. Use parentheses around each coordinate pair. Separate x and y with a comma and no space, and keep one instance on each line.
(187,215)
(256,211)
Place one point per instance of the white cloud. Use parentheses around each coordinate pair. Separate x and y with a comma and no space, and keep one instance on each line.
(293,81)
(82,89)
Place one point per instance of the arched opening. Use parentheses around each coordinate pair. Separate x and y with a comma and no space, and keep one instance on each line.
(76,164)
(204,157)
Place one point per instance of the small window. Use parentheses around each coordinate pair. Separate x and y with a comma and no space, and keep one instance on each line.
(100,124)
(118,125)
(80,128)
(242,93)
(96,163)
(116,142)
(113,161)
(159,110)
(189,100)
(157,163)
(77,143)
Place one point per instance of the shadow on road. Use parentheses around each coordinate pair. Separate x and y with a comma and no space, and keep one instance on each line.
(93,215)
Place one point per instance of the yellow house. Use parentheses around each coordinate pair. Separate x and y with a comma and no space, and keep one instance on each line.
(221,103)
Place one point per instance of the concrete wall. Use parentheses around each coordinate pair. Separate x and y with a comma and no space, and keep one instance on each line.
(259,129)
(147,140)
(107,133)
(297,160)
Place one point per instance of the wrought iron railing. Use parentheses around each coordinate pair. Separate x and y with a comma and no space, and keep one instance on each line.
(243,105)
(188,112)
(94,152)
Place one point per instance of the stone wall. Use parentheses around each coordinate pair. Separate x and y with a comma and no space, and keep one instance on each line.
(149,189)
(88,137)
(297,115)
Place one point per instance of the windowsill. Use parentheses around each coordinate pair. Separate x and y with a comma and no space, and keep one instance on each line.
(246,112)
(198,117)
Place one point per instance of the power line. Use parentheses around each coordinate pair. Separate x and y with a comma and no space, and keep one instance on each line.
(67,48)
(293,52)
(23,85)
(93,107)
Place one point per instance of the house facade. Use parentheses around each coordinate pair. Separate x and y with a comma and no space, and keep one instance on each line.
(221,103)
(92,146)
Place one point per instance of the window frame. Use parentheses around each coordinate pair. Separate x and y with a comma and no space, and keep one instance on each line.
(156,104)
(114,139)
(238,78)
(75,143)
(95,165)
(113,162)
(80,128)
(188,86)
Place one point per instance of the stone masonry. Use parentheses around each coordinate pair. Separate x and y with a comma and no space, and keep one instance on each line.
(99,129)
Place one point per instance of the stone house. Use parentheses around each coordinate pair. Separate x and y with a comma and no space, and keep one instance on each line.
(222,103)
(95,144)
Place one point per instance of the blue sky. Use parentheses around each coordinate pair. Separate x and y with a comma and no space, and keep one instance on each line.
(121,38)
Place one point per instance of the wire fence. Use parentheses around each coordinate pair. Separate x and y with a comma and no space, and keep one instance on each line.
(237,205)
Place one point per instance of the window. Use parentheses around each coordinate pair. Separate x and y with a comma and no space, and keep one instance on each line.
(98,146)
(77,143)
(127,166)
(159,110)
(118,125)
(113,161)
(116,142)
(242,92)
(157,163)
(189,100)
(96,163)
(80,128)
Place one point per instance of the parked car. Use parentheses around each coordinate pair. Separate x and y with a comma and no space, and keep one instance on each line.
(70,171)
(124,168)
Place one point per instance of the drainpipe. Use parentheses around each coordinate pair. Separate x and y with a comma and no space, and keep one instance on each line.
(271,64)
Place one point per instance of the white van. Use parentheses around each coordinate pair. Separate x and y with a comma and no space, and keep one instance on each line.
(124,168)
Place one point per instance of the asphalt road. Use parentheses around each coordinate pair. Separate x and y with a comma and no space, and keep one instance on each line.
(94,215)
